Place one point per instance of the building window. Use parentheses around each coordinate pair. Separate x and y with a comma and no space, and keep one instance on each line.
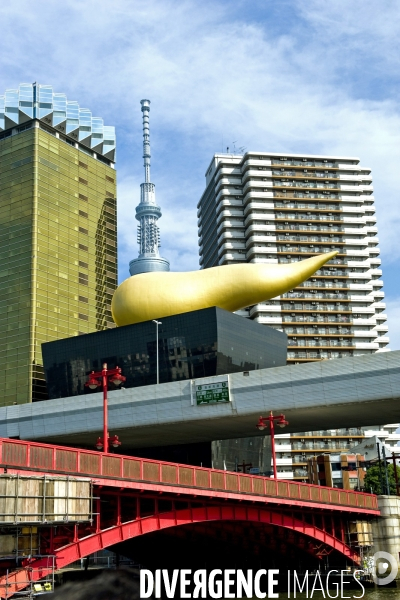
(83,165)
(83,299)
(83,247)
(83,317)
(83,197)
(83,214)
(82,230)
(84,181)
(110,179)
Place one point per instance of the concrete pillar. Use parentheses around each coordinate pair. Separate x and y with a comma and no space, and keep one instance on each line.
(386,528)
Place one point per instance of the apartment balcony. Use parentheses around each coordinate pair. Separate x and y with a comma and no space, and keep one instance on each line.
(306,249)
(284,199)
(326,433)
(310,217)
(357,253)
(328,229)
(283,173)
(318,295)
(366,346)
(254,172)
(338,285)
(323,343)
(260,208)
(256,312)
(308,356)
(256,183)
(229,255)
(254,194)
(236,234)
(322,332)
(361,287)
(375,260)
(280,462)
(231,247)
(368,333)
(326,164)
(230,225)
(376,283)
(321,308)
(348,210)
(343,319)
(225,171)
(332,272)
(270,321)
(332,239)
(227,215)
(285,475)
(257,195)
(378,294)
(228,194)
(300,473)
(282,447)
(333,261)
(306,185)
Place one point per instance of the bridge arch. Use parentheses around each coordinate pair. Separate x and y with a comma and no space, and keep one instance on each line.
(99,540)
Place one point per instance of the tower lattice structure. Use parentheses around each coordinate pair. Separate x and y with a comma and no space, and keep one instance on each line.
(147,213)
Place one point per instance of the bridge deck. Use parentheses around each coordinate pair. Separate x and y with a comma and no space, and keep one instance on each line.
(159,476)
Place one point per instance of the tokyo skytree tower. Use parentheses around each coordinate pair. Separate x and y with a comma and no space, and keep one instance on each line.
(147,213)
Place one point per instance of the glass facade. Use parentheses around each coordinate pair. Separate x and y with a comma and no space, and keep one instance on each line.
(191,345)
(58,251)
(245,455)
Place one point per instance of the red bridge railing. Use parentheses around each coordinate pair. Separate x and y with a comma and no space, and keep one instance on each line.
(33,456)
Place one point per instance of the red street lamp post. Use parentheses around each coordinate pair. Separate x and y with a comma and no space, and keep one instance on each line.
(101,378)
(262,424)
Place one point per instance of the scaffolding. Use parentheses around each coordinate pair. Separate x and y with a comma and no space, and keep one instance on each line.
(33,588)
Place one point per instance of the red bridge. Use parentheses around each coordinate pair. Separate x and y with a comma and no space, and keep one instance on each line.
(135,497)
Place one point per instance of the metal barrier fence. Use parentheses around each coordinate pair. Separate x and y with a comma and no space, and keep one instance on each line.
(74,461)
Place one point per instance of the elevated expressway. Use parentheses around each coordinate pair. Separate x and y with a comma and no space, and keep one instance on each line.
(351,392)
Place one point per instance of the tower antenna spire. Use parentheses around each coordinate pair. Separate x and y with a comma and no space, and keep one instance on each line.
(146,138)
(147,213)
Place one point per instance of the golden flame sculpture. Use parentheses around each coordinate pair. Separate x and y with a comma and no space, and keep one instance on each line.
(155,295)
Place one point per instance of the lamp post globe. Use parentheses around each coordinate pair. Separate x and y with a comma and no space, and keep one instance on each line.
(262,424)
(101,379)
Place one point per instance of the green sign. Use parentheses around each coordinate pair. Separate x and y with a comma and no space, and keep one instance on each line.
(211,393)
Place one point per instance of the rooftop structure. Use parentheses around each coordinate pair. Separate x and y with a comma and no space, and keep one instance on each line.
(195,344)
(35,101)
(148,213)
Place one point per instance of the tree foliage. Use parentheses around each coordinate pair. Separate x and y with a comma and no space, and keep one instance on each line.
(375,479)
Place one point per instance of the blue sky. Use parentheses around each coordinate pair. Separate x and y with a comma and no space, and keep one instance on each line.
(275,75)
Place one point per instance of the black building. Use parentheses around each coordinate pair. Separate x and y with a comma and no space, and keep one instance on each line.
(197,344)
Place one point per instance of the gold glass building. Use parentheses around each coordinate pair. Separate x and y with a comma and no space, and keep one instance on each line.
(58,260)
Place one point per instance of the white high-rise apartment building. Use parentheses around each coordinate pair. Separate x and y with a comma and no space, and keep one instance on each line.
(273,208)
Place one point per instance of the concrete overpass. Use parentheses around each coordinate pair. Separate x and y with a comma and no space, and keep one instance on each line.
(351,392)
